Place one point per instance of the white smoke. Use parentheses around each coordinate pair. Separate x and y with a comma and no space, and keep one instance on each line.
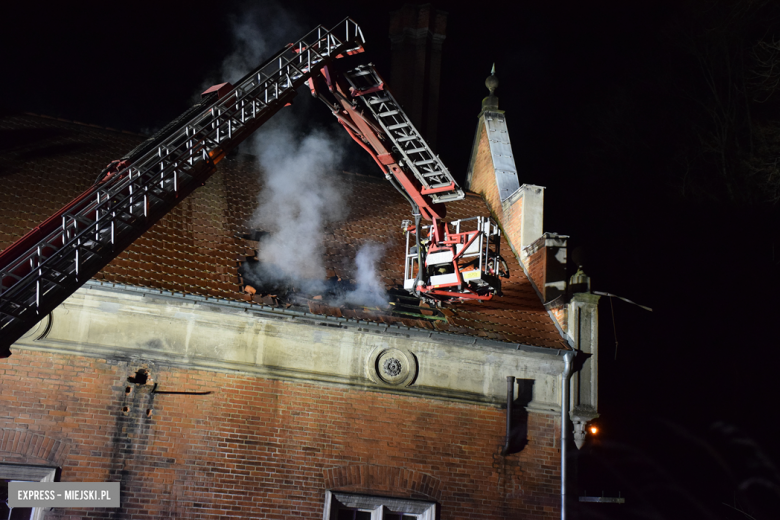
(301,193)
(370,290)
(258,33)
(299,198)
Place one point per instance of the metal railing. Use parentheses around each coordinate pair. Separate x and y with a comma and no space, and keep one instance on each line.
(483,250)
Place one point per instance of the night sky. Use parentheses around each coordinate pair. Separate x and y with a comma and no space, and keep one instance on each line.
(653,127)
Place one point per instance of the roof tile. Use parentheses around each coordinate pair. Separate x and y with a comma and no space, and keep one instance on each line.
(194,250)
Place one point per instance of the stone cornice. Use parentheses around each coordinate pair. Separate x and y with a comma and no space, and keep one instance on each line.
(133,326)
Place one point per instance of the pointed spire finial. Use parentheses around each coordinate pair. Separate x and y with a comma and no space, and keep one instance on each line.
(492,81)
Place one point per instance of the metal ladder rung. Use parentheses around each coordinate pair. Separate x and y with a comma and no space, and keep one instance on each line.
(399,125)
(432,174)
(406,138)
(422,163)
(388,113)
(19,314)
(374,101)
(57,283)
(416,150)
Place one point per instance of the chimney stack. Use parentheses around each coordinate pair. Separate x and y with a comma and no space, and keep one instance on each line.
(416,35)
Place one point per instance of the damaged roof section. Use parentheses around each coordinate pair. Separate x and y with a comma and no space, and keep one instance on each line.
(205,246)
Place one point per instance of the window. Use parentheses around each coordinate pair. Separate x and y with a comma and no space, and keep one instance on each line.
(344,506)
(23,473)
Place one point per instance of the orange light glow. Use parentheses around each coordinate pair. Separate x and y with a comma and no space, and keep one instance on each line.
(594,430)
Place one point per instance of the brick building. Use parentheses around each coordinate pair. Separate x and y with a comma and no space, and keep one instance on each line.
(205,401)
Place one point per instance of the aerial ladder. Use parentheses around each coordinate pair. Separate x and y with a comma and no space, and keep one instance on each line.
(444,261)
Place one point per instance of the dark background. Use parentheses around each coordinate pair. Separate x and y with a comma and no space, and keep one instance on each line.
(654,128)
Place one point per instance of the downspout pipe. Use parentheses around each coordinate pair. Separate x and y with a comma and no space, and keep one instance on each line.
(510,397)
(565,376)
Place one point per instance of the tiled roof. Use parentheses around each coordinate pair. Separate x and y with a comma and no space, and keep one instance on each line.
(196,249)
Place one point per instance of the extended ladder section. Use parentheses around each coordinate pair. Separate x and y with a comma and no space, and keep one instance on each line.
(435,178)
(47,265)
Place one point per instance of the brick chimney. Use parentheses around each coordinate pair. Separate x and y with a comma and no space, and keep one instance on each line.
(546,261)
(416,35)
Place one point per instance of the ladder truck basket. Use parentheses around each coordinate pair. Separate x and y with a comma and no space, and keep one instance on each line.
(467,261)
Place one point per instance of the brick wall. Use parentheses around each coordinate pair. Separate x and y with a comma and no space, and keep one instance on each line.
(483,181)
(559,310)
(260,448)
(536,265)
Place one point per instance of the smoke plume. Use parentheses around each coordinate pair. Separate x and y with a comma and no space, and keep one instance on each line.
(301,195)
(299,198)
(370,290)
(258,32)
